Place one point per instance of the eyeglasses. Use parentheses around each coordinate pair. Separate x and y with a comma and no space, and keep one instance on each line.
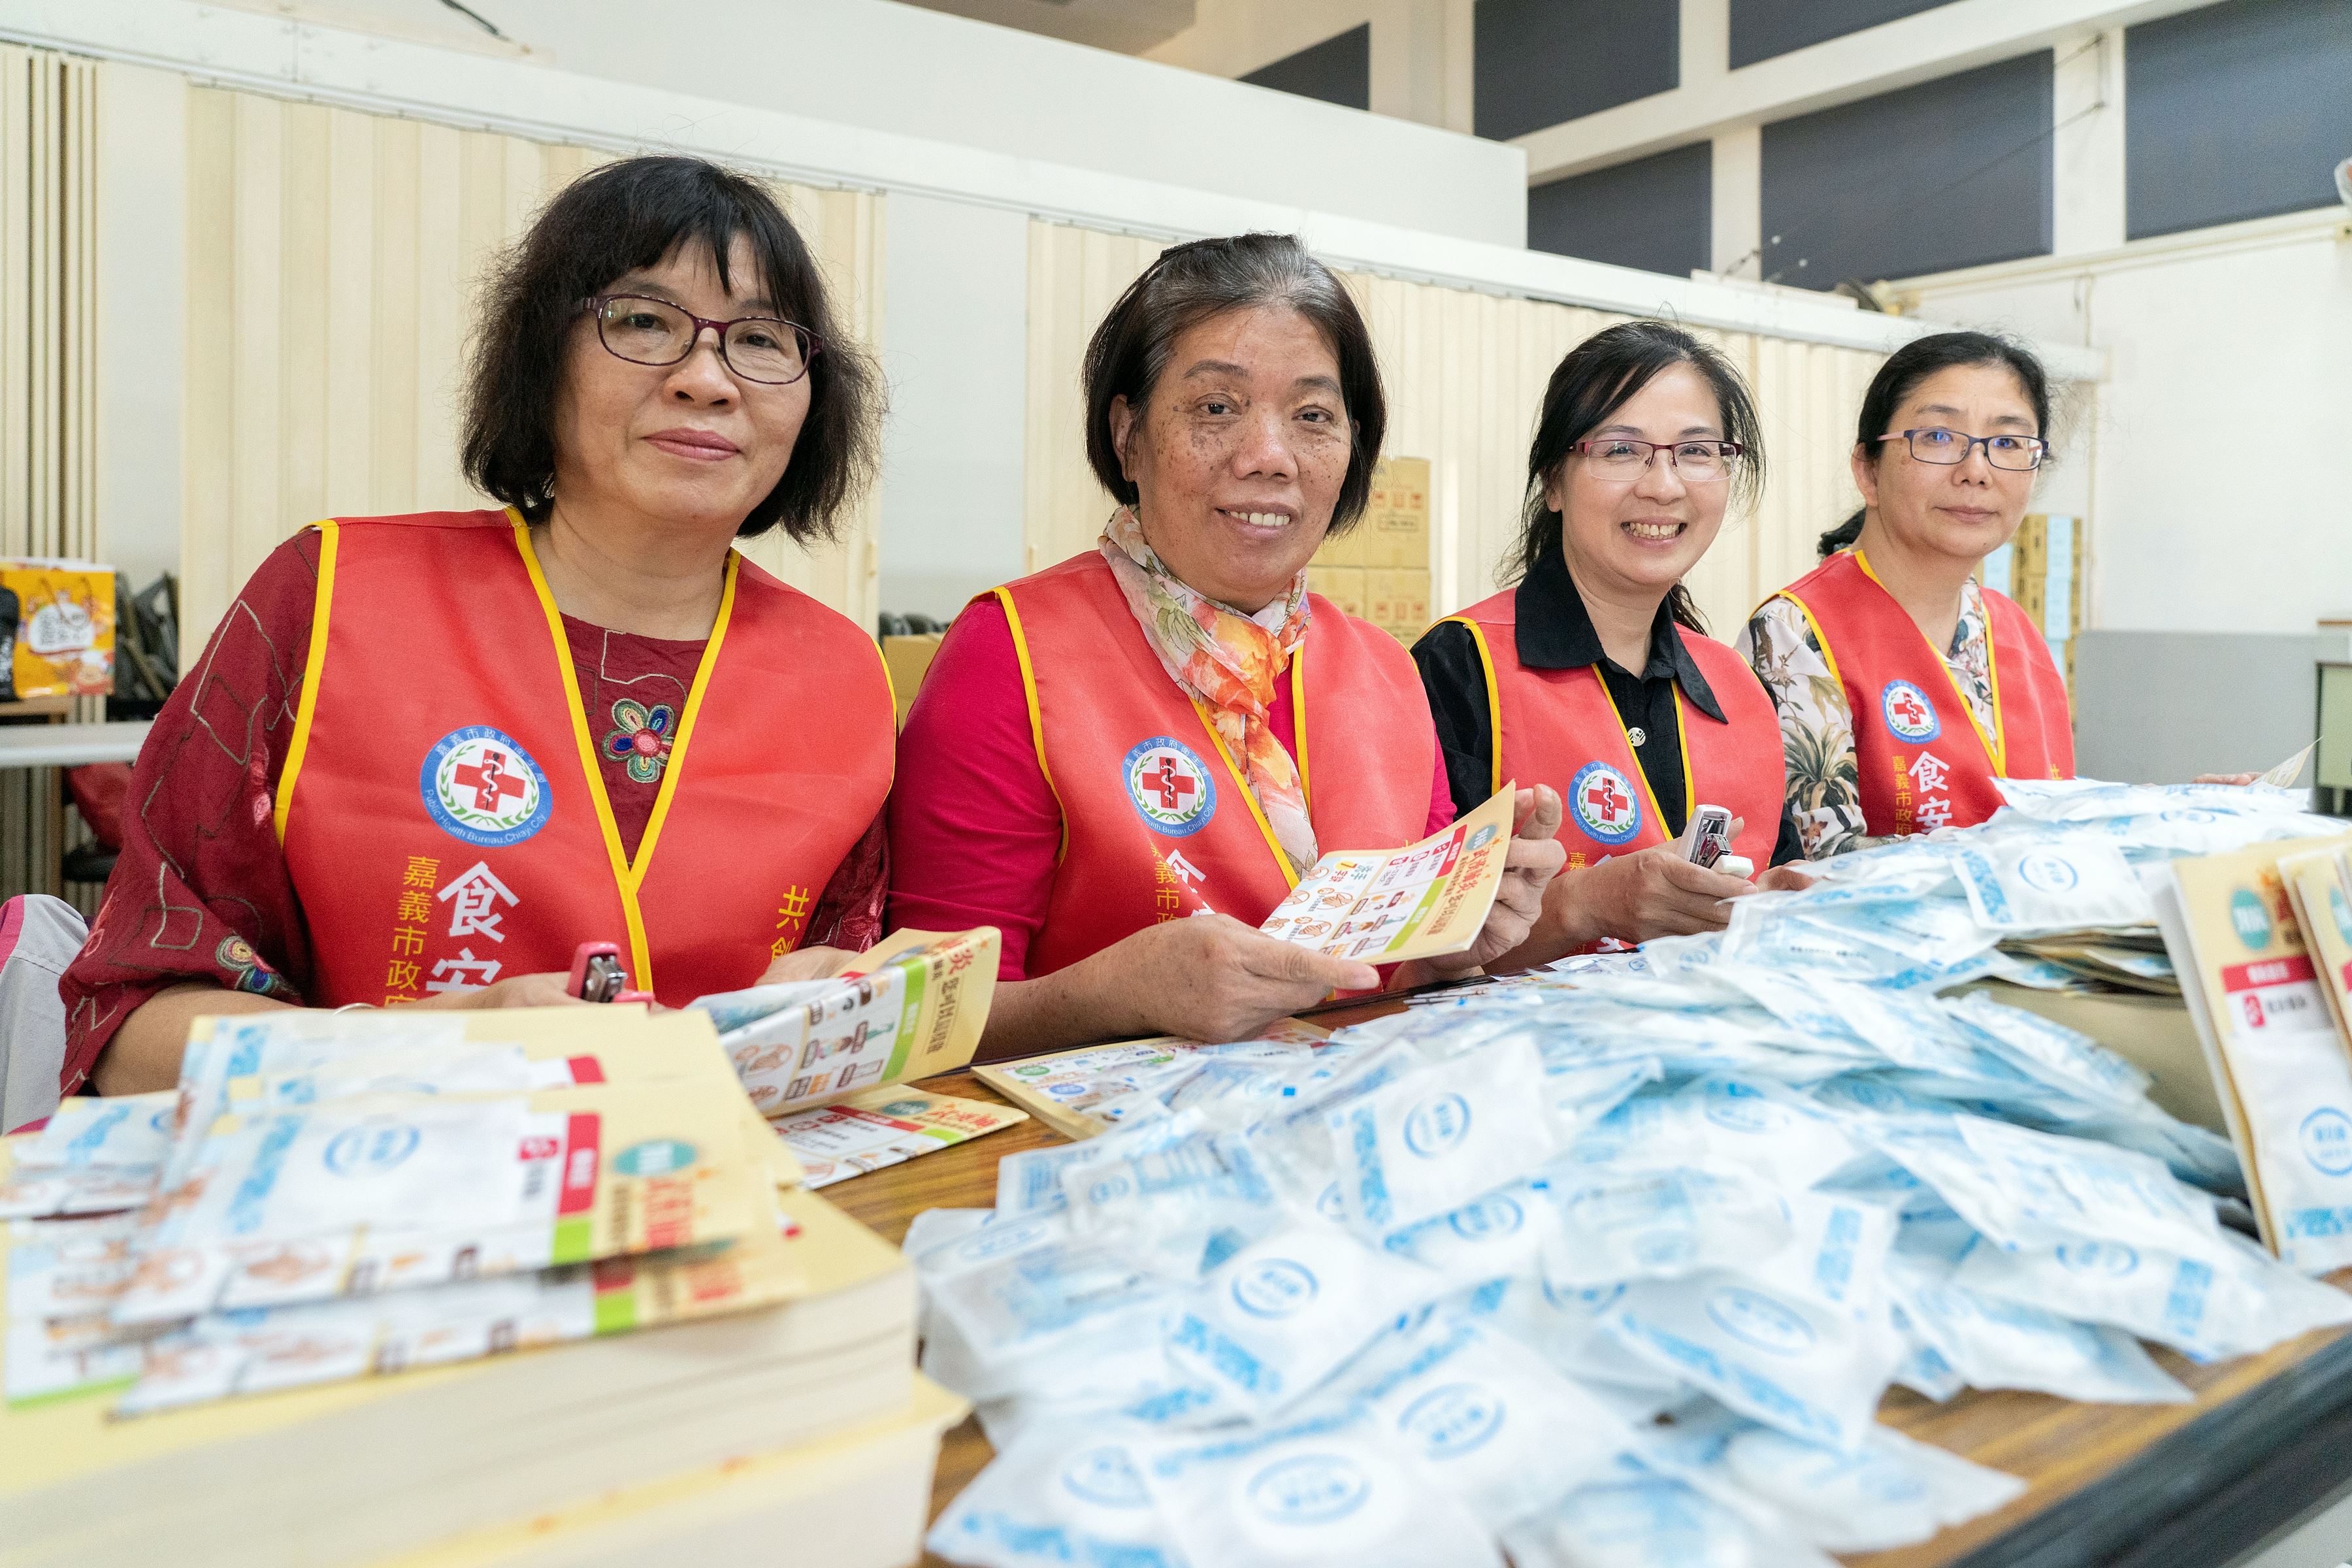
(1937,445)
(642,331)
(1699,462)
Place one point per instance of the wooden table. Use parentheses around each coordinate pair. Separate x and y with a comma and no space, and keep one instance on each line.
(2266,1443)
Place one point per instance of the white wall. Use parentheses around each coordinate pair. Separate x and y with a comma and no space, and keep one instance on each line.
(955,346)
(2217,487)
(142,208)
(897,68)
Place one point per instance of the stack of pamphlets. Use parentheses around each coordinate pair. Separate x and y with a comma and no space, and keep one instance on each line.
(295,1348)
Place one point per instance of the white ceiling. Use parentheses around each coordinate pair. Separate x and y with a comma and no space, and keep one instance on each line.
(1129,27)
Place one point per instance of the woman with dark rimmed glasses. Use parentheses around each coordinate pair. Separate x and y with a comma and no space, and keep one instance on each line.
(1904,687)
(1594,673)
(425,756)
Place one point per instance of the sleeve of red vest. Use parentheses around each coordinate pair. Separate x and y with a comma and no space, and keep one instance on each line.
(200,891)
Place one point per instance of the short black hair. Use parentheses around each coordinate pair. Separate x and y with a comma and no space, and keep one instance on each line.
(1900,376)
(611,221)
(1189,284)
(1598,377)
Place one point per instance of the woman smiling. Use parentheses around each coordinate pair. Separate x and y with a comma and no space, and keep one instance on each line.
(1595,674)
(1125,762)
(425,756)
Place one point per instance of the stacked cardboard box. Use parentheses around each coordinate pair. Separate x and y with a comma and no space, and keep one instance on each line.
(1379,570)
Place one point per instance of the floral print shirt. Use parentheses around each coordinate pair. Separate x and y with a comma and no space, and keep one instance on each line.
(1817,726)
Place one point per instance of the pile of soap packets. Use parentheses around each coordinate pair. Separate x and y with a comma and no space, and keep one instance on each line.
(1611,1266)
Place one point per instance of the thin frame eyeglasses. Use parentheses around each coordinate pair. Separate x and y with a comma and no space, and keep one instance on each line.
(1694,462)
(670,336)
(1934,444)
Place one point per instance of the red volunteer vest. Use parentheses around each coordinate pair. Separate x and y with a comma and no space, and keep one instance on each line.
(442,810)
(1924,760)
(1156,822)
(1561,727)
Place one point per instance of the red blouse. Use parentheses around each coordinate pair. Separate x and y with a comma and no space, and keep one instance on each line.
(974,827)
(201,890)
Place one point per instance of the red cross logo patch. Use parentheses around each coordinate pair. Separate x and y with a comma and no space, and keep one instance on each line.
(1909,715)
(1170,785)
(1605,805)
(479,785)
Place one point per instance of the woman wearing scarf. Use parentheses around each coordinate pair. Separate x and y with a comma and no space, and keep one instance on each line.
(1125,762)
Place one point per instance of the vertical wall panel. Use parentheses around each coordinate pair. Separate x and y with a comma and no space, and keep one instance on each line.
(334,259)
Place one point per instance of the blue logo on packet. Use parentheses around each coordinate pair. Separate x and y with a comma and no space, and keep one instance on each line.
(2048,871)
(1909,715)
(1452,1421)
(1436,1125)
(2327,1136)
(480,786)
(1275,1289)
(1314,1489)
(371,1151)
(1604,803)
(1103,1476)
(1169,786)
(1485,1218)
(2111,1258)
(1753,1318)
(1742,1108)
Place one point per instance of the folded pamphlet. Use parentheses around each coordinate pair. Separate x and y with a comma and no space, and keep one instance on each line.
(1384,906)
(884,1127)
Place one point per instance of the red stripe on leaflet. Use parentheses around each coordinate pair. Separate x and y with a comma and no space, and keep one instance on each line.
(585,1069)
(2283,970)
(579,1164)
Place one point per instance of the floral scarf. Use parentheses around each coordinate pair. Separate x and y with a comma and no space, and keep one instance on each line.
(1229,662)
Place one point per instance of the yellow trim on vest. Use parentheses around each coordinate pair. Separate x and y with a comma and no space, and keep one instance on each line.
(1299,725)
(640,959)
(1493,700)
(686,717)
(1821,639)
(1690,780)
(1036,719)
(1657,814)
(314,665)
(1996,745)
(1241,786)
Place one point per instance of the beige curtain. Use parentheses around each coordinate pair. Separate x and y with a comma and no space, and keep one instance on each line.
(1465,373)
(333,260)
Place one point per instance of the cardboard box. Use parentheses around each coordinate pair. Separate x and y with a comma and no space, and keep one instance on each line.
(909,660)
(1341,551)
(2154,1032)
(63,618)
(1398,602)
(1394,531)
(1343,585)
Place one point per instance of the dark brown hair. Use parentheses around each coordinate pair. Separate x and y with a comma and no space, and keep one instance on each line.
(1900,376)
(1598,376)
(1189,284)
(614,220)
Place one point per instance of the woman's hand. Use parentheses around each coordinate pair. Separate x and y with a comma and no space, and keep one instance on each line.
(1650,893)
(1534,859)
(1204,977)
(806,964)
(1790,878)
(2225,778)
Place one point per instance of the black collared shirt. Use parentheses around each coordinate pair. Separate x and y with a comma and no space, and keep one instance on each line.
(1555,631)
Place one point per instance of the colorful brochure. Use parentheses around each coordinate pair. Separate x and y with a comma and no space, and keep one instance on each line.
(912,1006)
(884,1127)
(1066,1089)
(1384,906)
(2280,1065)
(2320,884)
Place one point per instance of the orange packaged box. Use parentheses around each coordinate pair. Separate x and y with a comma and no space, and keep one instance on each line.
(63,618)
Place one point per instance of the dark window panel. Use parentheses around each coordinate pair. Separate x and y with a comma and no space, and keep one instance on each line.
(1337,70)
(1539,62)
(2235,112)
(1952,172)
(1763,28)
(1653,213)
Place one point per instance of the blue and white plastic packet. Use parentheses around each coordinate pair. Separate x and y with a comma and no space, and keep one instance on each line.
(1643,1518)
(1993,1343)
(1430,1141)
(1057,1496)
(2015,887)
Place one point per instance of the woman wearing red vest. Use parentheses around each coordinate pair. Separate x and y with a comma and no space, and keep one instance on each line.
(1595,674)
(1170,725)
(425,756)
(1905,687)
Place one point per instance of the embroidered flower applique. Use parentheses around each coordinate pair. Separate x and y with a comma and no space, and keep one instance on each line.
(642,736)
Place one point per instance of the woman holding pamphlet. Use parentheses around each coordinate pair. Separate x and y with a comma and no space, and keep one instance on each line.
(1127,761)
(1905,687)
(1594,673)
(427,756)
